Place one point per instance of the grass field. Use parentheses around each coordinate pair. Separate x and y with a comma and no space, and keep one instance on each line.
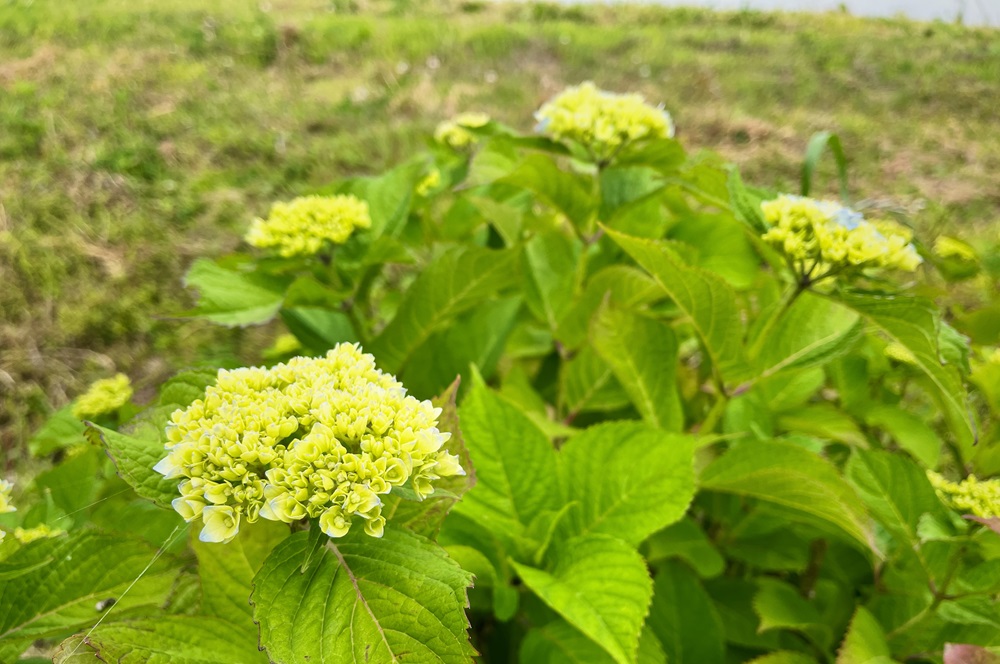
(137,135)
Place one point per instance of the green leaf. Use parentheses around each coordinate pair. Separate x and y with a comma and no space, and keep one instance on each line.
(73,483)
(185,387)
(227,572)
(389,197)
(599,585)
(134,458)
(865,642)
(819,142)
(398,598)
(476,338)
(318,328)
(643,355)
(721,247)
(629,479)
(567,192)
(793,477)
(587,383)
(164,639)
(455,282)
(812,331)
(823,420)
(514,461)
(686,540)
(663,154)
(745,203)
(684,618)
(896,491)
(702,296)
(780,606)
(913,323)
(970,611)
(551,259)
(59,431)
(623,187)
(80,570)
(232,297)
(618,284)
(909,431)
(558,642)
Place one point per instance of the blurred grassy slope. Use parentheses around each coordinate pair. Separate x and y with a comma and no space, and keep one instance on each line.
(138,134)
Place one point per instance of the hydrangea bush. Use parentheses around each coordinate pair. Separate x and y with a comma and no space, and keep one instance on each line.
(573,395)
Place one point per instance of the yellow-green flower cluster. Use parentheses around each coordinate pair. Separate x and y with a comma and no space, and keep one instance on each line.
(455,132)
(820,237)
(104,396)
(304,225)
(28,535)
(970,496)
(319,437)
(602,121)
(430,182)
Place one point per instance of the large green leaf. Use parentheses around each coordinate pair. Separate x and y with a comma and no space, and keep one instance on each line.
(588,383)
(618,284)
(455,282)
(514,461)
(812,331)
(362,599)
(706,300)
(908,430)
(865,642)
(551,258)
(793,477)
(134,457)
(69,576)
(629,480)
(232,297)
(477,338)
(896,491)
(59,431)
(163,640)
(600,585)
(567,192)
(913,323)
(558,642)
(318,328)
(388,195)
(227,572)
(642,353)
(684,618)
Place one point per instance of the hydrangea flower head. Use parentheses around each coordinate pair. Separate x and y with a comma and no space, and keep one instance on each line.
(103,396)
(970,496)
(602,121)
(322,438)
(820,237)
(455,132)
(6,488)
(304,225)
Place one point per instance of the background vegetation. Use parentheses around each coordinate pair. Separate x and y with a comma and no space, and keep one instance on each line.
(136,135)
